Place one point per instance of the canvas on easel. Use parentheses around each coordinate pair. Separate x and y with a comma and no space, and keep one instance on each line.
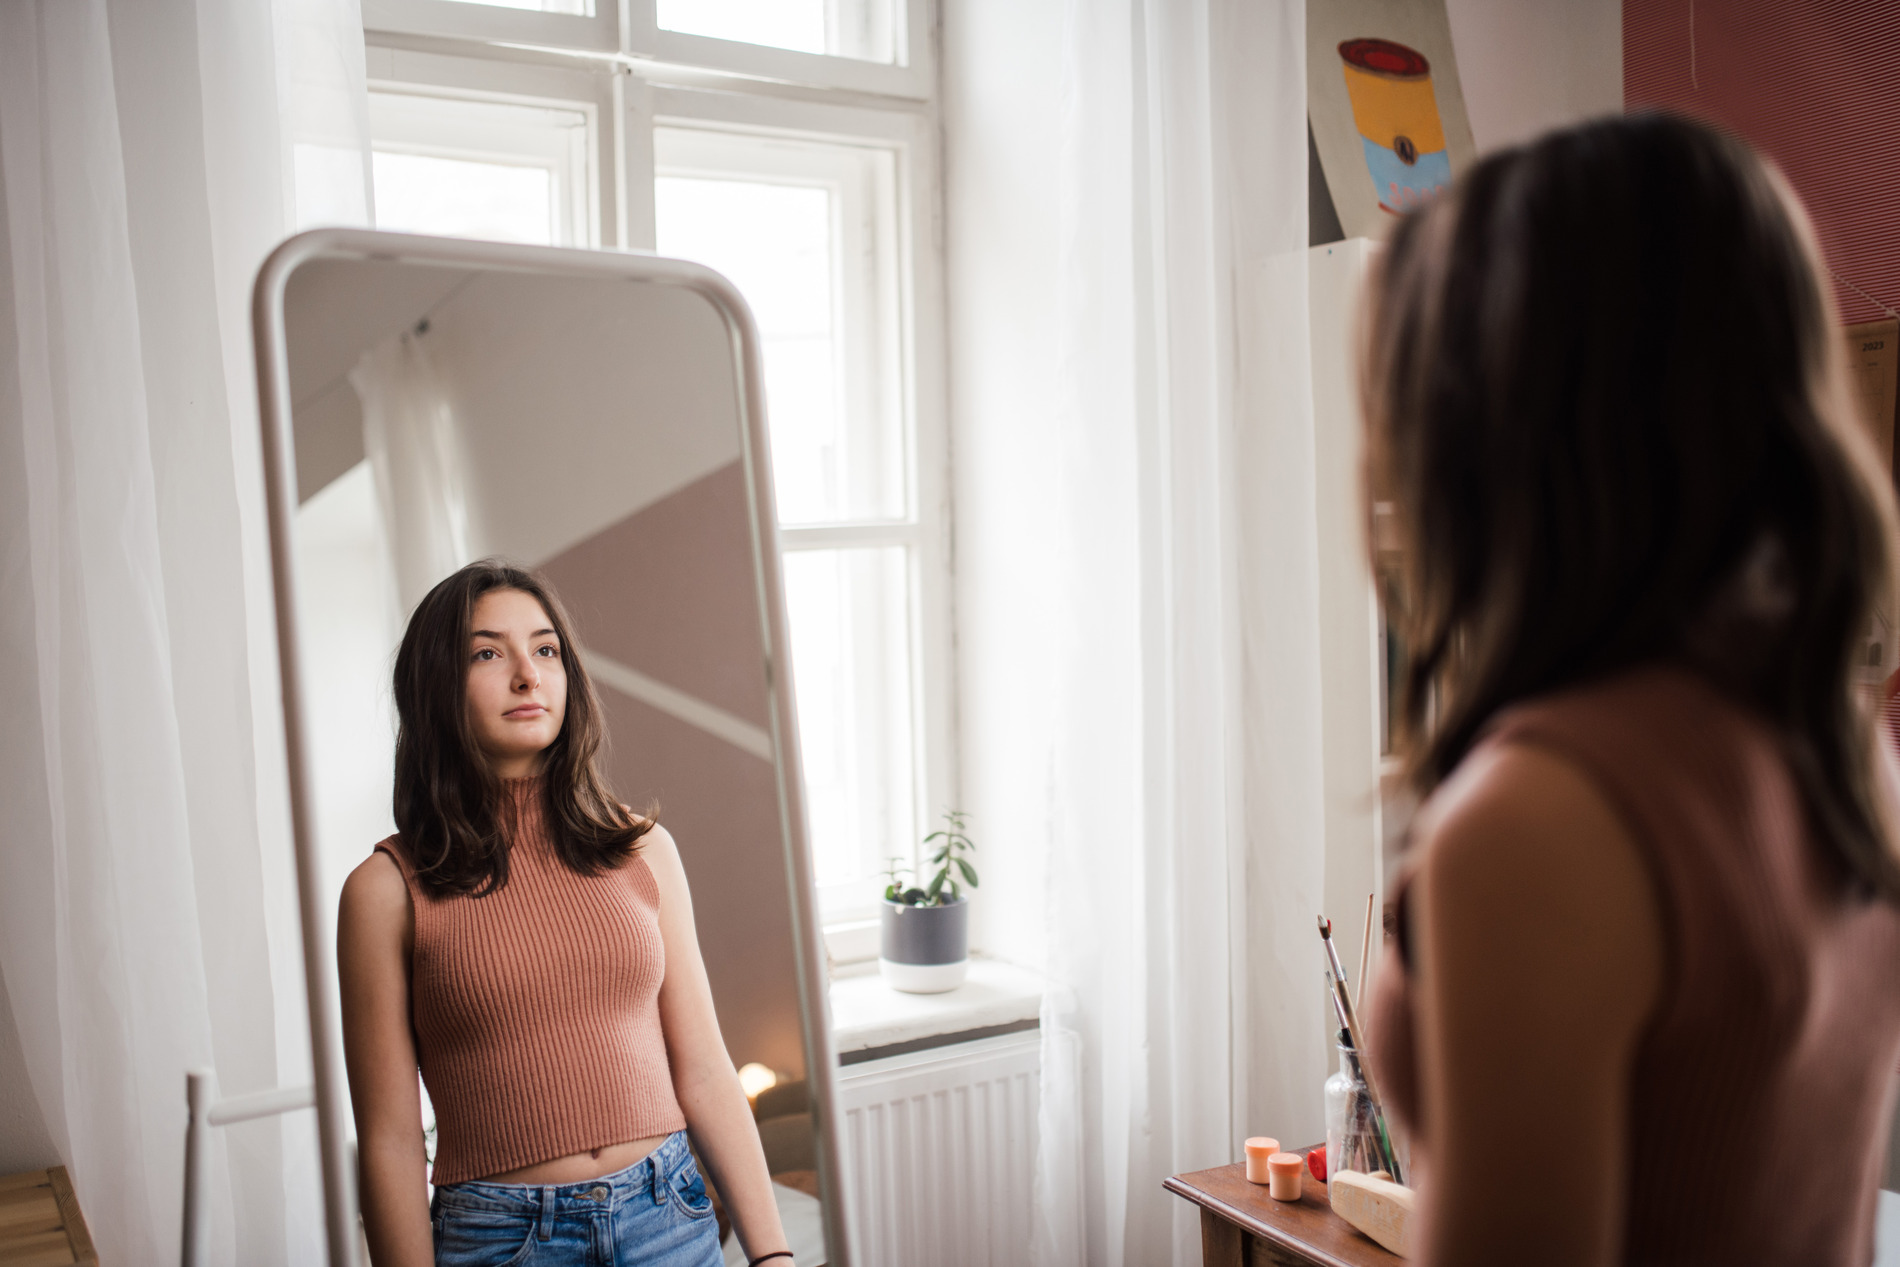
(1387,112)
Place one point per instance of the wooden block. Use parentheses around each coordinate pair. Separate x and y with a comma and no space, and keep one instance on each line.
(40,1223)
(25,1211)
(1378,1207)
(47,1249)
(76,1229)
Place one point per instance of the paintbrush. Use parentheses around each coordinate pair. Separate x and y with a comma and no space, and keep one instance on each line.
(1365,957)
(1342,1002)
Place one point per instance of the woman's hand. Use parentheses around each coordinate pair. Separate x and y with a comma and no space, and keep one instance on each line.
(704,1080)
(374,936)
(1540,954)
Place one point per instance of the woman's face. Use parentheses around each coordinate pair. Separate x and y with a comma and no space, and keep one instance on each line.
(517,681)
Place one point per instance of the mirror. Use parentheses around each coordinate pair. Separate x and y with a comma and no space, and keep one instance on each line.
(596,418)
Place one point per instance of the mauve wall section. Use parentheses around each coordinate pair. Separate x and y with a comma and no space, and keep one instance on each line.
(668,591)
(1815,85)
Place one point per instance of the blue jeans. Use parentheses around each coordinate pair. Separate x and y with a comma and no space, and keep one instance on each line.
(655,1213)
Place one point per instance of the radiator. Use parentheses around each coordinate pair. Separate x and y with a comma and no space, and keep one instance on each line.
(939,1151)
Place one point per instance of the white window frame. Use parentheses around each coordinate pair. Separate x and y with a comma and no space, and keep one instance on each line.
(913,75)
(635,77)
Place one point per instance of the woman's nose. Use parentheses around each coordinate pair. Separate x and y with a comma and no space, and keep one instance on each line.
(526,678)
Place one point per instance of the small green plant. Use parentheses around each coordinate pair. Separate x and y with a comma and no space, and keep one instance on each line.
(947,858)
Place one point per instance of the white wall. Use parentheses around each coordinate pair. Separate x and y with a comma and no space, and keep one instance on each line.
(1530,65)
(24,1141)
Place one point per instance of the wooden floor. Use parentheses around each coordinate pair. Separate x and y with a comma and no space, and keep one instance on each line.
(40,1223)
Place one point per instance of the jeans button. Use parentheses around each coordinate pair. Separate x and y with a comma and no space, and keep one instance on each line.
(597,1194)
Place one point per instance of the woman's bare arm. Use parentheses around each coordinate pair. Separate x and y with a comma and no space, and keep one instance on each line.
(375,932)
(703,1077)
(1540,951)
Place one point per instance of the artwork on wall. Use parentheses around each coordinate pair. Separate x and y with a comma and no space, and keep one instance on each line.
(1873,357)
(1387,114)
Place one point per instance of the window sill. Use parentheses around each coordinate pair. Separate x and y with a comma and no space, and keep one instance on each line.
(870,1020)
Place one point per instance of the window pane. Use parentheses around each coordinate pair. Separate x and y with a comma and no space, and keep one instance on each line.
(796,24)
(837,448)
(861,29)
(454,197)
(850,631)
(503,171)
(581,7)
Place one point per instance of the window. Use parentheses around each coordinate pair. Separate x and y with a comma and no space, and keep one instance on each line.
(845,28)
(482,169)
(580,8)
(818,203)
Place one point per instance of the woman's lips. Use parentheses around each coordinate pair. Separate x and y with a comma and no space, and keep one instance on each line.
(525,711)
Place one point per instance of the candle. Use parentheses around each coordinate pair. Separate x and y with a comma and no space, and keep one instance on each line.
(1283,1176)
(1259,1148)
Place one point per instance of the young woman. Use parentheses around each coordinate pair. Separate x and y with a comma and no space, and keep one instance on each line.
(1646,1002)
(528,943)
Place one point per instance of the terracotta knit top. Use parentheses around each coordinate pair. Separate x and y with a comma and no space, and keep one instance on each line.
(1763,1084)
(536,1008)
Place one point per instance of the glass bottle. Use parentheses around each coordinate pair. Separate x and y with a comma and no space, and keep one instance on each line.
(1352,1133)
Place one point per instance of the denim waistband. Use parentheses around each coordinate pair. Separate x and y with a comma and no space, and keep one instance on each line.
(647,1177)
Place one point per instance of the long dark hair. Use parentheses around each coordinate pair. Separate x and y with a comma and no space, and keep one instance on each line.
(1606,398)
(449,802)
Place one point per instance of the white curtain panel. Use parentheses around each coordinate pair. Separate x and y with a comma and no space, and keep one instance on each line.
(147,913)
(1137,581)
(409,435)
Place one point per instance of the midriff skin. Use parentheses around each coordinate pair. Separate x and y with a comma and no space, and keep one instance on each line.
(580,1167)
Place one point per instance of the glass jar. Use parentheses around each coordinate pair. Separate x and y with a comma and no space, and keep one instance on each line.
(1352,1130)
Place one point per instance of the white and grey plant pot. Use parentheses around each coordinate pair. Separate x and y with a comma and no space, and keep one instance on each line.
(925,949)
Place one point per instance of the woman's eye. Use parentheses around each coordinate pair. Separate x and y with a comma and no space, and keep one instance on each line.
(486,653)
(549,650)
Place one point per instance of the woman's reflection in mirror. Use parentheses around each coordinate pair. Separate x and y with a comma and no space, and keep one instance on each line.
(527,942)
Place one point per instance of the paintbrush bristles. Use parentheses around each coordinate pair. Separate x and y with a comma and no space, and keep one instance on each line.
(1325,928)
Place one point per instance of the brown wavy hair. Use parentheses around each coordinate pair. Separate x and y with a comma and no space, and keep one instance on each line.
(1606,398)
(448,799)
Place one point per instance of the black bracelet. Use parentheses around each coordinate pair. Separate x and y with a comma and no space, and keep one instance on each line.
(782,1253)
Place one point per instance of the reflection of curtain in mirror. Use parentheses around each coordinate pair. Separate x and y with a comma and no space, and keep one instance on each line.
(409,435)
(148,919)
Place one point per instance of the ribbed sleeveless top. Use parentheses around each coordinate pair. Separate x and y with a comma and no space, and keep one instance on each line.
(1763,1083)
(536,1008)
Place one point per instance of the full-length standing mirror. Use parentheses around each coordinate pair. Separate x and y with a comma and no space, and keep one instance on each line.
(596,418)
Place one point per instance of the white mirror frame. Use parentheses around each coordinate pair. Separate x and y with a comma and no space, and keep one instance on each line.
(280,482)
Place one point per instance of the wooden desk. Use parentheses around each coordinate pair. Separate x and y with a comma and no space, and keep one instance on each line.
(1241,1226)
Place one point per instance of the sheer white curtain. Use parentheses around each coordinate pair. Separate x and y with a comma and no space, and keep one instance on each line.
(410,438)
(147,913)
(1137,580)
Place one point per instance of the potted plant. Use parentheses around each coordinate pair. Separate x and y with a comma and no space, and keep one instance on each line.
(926,931)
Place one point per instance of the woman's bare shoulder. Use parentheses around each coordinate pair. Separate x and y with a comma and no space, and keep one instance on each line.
(375,887)
(658,847)
(1505,794)
(1521,848)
